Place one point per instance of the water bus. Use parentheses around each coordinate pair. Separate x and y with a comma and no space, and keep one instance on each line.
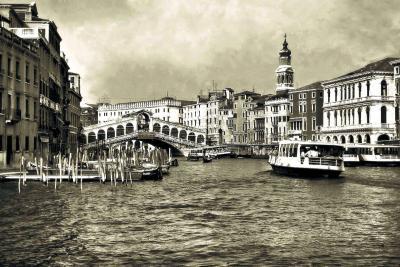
(309,159)
(372,155)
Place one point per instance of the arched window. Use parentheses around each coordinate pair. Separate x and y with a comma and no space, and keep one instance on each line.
(359,115)
(383,88)
(383,114)
(367,113)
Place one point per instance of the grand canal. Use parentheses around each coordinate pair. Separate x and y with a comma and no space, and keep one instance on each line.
(232,211)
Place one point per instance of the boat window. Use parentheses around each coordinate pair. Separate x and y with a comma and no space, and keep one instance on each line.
(321,151)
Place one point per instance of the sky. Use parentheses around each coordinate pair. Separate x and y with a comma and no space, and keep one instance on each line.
(129,50)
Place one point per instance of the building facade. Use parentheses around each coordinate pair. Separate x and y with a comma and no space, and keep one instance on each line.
(88,114)
(305,111)
(19,97)
(396,75)
(242,104)
(37,84)
(73,119)
(167,109)
(359,107)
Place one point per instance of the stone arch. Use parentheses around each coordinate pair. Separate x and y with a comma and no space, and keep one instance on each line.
(183,134)
(156,128)
(328,139)
(359,139)
(101,135)
(367,139)
(351,139)
(383,137)
(129,128)
(165,129)
(91,137)
(192,137)
(174,132)
(335,139)
(342,139)
(200,139)
(120,130)
(110,132)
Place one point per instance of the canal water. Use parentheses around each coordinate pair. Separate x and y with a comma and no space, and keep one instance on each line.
(230,211)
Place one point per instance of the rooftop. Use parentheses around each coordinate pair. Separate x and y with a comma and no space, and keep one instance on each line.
(382,65)
(315,85)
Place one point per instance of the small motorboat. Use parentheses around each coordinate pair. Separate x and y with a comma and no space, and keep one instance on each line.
(207,159)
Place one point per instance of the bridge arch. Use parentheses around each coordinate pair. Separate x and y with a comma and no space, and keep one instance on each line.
(101,135)
(110,132)
(174,132)
(156,128)
(129,128)
(91,137)
(192,137)
(165,129)
(200,139)
(183,134)
(120,130)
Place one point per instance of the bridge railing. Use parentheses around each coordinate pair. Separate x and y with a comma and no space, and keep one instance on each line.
(144,135)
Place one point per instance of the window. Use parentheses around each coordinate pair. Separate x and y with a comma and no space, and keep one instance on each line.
(314,107)
(27,73)
(291,97)
(26,143)
(17,143)
(9,73)
(367,113)
(314,123)
(35,75)
(383,114)
(17,75)
(359,89)
(313,94)
(1,143)
(27,108)
(383,88)
(397,70)
(368,87)
(329,96)
(335,94)
(34,143)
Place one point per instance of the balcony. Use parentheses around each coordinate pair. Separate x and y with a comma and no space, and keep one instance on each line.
(358,100)
(295,132)
(26,33)
(12,115)
(50,104)
(370,126)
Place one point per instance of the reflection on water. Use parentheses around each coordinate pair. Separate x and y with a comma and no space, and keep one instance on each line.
(229,211)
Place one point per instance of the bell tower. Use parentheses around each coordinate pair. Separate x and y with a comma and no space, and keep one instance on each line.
(284,72)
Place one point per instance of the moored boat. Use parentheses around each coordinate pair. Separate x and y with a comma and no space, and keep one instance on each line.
(380,155)
(309,159)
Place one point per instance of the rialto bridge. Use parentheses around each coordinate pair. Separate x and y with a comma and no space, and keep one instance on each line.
(142,126)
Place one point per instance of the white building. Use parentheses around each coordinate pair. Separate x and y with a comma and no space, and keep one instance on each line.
(359,107)
(211,113)
(195,115)
(167,109)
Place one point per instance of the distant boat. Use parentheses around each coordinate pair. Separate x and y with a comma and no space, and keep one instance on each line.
(207,159)
(310,159)
(372,155)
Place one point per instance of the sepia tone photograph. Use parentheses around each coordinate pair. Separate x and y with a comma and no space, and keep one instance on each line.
(199,133)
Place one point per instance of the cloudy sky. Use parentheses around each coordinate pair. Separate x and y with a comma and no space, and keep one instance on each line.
(142,49)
